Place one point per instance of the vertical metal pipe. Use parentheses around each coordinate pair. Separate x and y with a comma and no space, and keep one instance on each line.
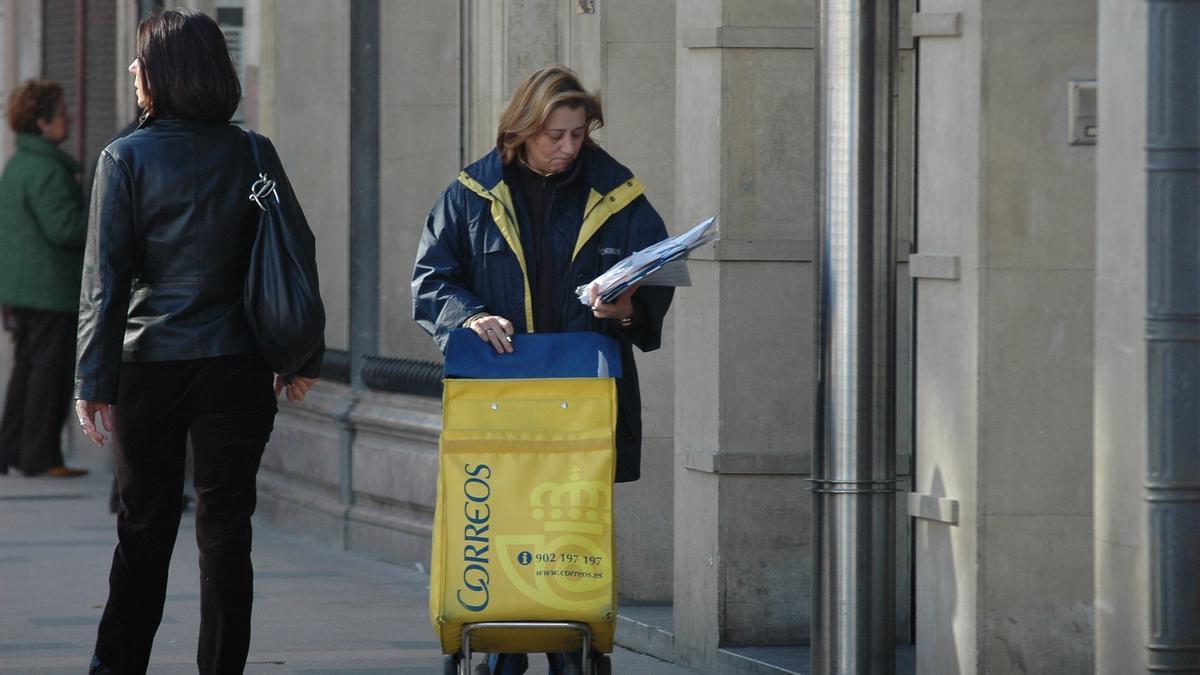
(364,185)
(465,82)
(1173,334)
(854,462)
(364,224)
(80,113)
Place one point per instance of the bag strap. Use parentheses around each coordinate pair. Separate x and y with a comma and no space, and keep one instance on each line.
(265,185)
(254,149)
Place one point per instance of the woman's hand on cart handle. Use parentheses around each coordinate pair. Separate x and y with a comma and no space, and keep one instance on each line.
(495,330)
(86,412)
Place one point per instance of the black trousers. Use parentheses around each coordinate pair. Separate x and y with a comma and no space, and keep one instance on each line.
(227,404)
(39,391)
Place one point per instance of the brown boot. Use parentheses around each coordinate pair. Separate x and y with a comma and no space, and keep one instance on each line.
(65,472)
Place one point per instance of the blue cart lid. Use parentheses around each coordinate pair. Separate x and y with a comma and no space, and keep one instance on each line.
(535,355)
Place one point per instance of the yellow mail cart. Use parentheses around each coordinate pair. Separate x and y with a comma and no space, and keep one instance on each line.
(523,552)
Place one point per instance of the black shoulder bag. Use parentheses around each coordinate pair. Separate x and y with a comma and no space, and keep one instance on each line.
(282,296)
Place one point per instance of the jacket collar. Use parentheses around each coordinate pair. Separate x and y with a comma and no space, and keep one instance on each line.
(173,123)
(488,170)
(37,145)
(556,181)
(595,167)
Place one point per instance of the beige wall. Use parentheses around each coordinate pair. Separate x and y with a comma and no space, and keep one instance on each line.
(1004,352)
(1121,425)
(743,342)
(304,106)
(20,54)
(419,151)
(946,327)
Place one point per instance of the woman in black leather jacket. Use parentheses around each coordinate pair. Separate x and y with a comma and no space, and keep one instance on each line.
(163,340)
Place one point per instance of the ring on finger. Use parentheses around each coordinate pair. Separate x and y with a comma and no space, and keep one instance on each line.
(490,330)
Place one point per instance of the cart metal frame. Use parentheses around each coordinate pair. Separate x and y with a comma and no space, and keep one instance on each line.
(585,631)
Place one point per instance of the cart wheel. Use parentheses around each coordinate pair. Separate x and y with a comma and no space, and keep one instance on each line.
(482,669)
(601,665)
(450,664)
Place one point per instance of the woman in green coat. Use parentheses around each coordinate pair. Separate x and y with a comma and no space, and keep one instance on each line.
(43,221)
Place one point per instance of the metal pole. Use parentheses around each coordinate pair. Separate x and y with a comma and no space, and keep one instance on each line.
(854,462)
(1173,334)
(364,225)
(364,185)
(80,112)
(466,82)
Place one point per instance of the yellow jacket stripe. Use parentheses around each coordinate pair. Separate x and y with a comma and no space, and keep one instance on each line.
(601,207)
(598,210)
(505,217)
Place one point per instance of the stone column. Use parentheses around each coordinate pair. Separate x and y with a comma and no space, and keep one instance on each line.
(510,40)
(744,331)
(626,49)
(421,92)
(303,106)
(1120,425)
(1005,278)
(20,53)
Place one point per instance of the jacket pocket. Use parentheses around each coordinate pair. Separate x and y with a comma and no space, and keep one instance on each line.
(492,241)
(493,270)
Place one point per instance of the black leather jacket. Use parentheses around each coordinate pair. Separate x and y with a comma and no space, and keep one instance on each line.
(169,237)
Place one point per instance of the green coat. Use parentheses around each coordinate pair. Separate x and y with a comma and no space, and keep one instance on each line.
(43,226)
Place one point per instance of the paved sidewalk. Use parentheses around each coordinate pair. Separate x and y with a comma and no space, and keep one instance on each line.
(316,610)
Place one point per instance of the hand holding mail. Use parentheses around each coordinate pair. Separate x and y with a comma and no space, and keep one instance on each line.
(620,309)
(661,264)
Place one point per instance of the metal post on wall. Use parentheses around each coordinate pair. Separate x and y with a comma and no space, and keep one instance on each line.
(1173,334)
(364,225)
(364,185)
(80,112)
(854,459)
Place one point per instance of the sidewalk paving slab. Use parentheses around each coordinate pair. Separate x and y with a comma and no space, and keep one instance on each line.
(317,610)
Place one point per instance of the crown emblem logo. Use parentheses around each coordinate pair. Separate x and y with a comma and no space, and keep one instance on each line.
(575,506)
(568,564)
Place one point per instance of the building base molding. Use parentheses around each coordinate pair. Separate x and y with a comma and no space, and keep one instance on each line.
(356,472)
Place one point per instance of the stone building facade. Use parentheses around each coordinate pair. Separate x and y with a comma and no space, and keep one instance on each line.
(1021,426)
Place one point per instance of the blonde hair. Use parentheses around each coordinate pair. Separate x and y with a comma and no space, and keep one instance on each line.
(533,102)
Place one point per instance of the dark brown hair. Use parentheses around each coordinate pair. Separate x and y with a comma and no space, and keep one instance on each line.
(533,102)
(186,68)
(32,101)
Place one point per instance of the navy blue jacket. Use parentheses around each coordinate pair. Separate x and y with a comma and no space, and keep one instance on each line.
(471,259)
